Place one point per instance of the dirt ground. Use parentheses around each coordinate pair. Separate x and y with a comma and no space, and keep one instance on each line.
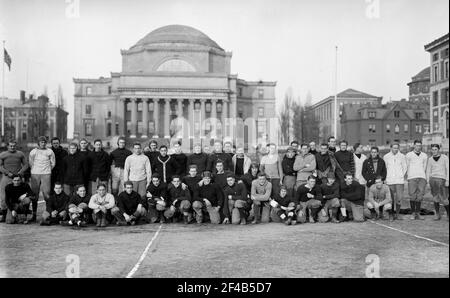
(226,251)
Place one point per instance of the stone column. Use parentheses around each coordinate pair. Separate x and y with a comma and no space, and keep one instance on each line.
(191,117)
(156,117)
(233,106)
(203,113)
(167,118)
(122,109)
(180,108)
(213,118)
(224,118)
(144,118)
(133,117)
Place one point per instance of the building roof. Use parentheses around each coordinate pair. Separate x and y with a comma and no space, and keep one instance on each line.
(356,112)
(437,42)
(177,34)
(422,75)
(29,103)
(348,93)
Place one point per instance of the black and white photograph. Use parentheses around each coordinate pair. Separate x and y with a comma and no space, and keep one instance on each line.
(223,146)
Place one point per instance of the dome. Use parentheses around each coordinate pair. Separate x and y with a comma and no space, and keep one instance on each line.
(177,34)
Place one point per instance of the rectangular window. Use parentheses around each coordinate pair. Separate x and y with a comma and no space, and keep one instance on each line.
(108,129)
(88,129)
(151,127)
(24,136)
(24,124)
(419,116)
(397,114)
(109,114)
(435,73)
(129,127)
(260,93)
(435,98)
(219,107)
(139,106)
(88,109)
(372,115)
(372,142)
(208,107)
(444,96)
(435,57)
(109,89)
(388,128)
(240,91)
(446,70)
(117,129)
(405,128)
(261,128)
(426,128)
(128,106)
(260,112)
(418,128)
(372,128)
(151,106)
(197,106)
(88,90)
(140,127)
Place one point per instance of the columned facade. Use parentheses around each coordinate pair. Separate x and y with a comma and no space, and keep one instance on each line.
(174,72)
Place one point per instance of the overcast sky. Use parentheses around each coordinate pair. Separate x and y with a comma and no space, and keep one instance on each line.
(289,41)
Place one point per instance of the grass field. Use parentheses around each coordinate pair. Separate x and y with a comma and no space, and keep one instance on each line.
(225,251)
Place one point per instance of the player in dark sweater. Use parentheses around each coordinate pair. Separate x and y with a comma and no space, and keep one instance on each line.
(283,207)
(158,201)
(218,154)
(181,160)
(238,203)
(181,199)
(209,197)
(352,198)
(56,207)
(129,206)
(344,162)
(330,198)
(191,181)
(118,157)
(78,207)
(18,197)
(309,198)
(198,158)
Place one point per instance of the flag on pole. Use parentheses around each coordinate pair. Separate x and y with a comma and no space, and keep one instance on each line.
(7,58)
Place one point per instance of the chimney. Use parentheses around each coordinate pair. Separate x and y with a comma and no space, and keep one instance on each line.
(22,96)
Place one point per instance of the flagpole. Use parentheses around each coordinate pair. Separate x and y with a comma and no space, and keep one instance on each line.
(335,96)
(3,93)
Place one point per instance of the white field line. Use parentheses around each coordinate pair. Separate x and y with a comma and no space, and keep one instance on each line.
(410,234)
(144,254)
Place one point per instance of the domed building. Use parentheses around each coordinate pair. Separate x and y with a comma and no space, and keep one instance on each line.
(173,83)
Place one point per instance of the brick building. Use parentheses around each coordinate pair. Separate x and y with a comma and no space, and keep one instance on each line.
(324,110)
(28,118)
(398,121)
(439,96)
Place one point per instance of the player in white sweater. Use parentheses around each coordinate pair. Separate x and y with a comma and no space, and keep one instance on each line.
(416,163)
(396,170)
(438,178)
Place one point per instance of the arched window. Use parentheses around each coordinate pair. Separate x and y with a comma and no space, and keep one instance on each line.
(397,128)
(176,65)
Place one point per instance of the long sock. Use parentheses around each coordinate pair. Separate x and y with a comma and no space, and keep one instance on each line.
(398,208)
(418,204)
(437,208)
(34,205)
(446,209)
(413,206)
